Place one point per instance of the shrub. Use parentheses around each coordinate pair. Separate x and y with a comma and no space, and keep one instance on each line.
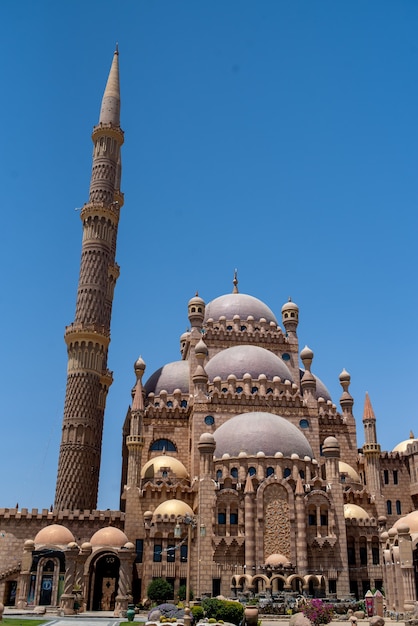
(223,610)
(159,590)
(318,612)
(198,613)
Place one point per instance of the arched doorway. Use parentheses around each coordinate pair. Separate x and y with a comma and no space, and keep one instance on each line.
(47,578)
(105,581)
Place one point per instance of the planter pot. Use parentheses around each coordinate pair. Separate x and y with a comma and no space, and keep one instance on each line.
(251,615)
(130,613)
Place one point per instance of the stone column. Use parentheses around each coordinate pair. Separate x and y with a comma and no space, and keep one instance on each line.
(22,594)
(67,598)
(124,593)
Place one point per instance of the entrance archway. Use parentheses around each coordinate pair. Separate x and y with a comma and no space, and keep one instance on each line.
(105,581)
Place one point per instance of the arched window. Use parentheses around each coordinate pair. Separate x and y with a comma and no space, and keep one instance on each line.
(252,471)
(287,472)
(163,444)
(389,507)
(234,472)
(398,507)
(269,471)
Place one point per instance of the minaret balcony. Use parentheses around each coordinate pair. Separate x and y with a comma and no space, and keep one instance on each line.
(134,441)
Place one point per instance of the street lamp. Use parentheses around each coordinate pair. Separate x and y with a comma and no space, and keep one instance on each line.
(191,522)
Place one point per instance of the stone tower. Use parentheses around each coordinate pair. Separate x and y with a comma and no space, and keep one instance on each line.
(88,337)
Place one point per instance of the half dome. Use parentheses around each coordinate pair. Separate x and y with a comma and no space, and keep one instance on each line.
(55,534)
(277,560)
(169,377)
(410,520)
(346,470)
(156,464)
(109,536)
(353,511)
(173,507)
(260,432)
(244,359)
(238,304)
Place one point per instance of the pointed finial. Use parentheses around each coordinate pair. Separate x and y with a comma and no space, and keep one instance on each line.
(117,48)
(235,281)
(368,412)
(411,435)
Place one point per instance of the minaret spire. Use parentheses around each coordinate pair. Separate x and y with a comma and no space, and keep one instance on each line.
(88,337)
(110,111)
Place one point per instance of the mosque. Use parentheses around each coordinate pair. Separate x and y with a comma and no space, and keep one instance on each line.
(239,474)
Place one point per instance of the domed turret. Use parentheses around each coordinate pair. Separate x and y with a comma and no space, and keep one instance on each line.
(196,311)
(290,316)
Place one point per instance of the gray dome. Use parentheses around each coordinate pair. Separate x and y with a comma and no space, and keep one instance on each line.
(260,432)
(321,390)
(169,377)
(240,360)
(238,304)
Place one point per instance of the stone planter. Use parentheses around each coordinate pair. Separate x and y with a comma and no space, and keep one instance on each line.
(251,615)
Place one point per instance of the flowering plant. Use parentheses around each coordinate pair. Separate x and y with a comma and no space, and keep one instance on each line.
(318,612)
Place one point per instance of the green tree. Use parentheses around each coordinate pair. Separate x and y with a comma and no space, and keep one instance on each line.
(159,590)
(182,593)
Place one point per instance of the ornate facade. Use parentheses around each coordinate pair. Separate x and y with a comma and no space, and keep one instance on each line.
(239,472)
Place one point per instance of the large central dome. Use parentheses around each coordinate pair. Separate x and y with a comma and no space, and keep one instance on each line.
(244,359)
(238,304)
(260,432)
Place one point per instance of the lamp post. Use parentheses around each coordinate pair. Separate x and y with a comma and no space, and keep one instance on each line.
(191,522)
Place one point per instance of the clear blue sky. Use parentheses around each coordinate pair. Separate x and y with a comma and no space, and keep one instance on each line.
(276,137)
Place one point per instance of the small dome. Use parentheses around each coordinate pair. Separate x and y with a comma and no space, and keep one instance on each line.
(306,353)
(401,447)
(330,442)
(276,560)
(410,520)
(355,511)
(290,306)
(154,465)
(169,377)
(173,507)
(139,365)
(258,431)
(239,304)
(206,438)
(55,534)
(109,536)
(196,300)
(349,471)
(201,348)
(244,359)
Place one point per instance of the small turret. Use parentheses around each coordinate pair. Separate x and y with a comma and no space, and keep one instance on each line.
(346,400)
(290,317)
(308,382)
(196,311)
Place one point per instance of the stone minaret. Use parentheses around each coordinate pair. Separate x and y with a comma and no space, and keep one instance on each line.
(88,337)
(371,452)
